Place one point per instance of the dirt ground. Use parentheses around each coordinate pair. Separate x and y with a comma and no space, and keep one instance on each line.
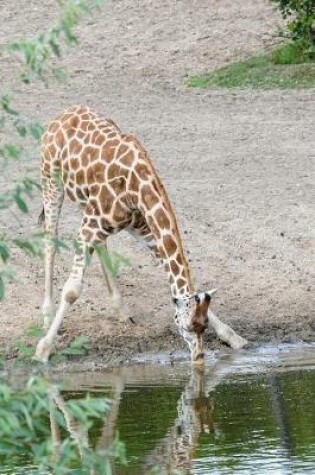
(237,166)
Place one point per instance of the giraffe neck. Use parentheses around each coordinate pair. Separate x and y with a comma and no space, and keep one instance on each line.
(177,267)
(164,235)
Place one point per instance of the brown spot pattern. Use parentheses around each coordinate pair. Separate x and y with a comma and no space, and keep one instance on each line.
(74,164)
(121,150)
(99,172)
(106,200)
(80,179)
(162,220)
(127,159)
(169,245)
(149,198)
(75,147)
(142,171)
(175,268)
(108,153)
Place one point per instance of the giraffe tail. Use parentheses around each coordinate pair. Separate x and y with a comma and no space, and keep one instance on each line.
(41,218)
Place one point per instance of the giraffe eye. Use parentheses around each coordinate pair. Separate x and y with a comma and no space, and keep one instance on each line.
(197,298)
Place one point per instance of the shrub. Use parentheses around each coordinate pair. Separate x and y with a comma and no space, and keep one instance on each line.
(300,17)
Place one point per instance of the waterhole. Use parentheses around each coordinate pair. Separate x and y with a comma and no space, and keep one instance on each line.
(251,412)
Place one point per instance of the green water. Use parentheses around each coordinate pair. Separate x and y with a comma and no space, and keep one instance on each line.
(247,413)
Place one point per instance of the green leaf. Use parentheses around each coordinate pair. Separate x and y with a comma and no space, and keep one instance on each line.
(10,151)
(104,258)
(4,251)
(20,203)
(36,130)
(34,330)
(4,275)
(29,185)
(55,47)
(59,245)
(25,351)
(77,347)
(31,247)
(74,351)
(21,130)
(5,200)
(81,341)
(25,78)
(5,104)
(2,288)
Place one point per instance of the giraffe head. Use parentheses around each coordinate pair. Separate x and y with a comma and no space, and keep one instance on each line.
(191,317)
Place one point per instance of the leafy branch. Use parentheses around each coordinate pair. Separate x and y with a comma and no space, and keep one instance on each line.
(36,53)
(36,56)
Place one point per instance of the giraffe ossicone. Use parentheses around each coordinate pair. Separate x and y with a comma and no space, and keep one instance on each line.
(110,176)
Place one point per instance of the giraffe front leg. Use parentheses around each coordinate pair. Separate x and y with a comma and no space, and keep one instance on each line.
(71,291)
(48,309)
(226,333)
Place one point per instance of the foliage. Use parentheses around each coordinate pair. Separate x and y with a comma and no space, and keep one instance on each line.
(112,261)
(36,423)
(261,72)
(290,53)
(36,53)
(77,347)
(300,16)
(290,66)
(35,56)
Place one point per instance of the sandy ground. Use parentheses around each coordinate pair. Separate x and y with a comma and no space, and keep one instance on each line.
(237,165)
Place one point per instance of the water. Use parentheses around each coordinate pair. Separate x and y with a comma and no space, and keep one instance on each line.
(248,413)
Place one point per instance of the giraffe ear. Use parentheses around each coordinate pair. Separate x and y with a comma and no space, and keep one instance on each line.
(203,295)
(211,292)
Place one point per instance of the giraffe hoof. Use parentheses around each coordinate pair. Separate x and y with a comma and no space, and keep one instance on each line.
(43,351)
(238,342)
(127,319)
(124,315)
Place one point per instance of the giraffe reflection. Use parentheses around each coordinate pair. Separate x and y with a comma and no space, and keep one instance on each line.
(175,453)
(76,430)
(104,454)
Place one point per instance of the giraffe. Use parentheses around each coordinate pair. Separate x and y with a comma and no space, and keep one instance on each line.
(110,176)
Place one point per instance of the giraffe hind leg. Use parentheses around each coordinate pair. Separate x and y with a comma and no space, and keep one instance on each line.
(115,295)
(53,195)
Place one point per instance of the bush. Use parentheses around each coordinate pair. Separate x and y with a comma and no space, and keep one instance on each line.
(300,16)
(291,53)
(42,433)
